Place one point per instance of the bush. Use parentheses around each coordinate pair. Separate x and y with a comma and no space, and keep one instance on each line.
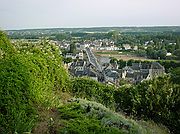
(6,48)
(81,116)
(157,99)
(29,75)
(16,97)
(93,90)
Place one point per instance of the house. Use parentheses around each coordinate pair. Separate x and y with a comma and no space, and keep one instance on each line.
(111,72)
(75,56)
(112,75)
(106,66)
(80,55)
(126,47)
(82,46)
(135,48)
(83,68)
(139,72)
(71,55)
(109,48)
(92,74)
(64,45)
(78,68)
(168,54)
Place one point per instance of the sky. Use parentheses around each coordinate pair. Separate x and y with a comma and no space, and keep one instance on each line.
(23,14)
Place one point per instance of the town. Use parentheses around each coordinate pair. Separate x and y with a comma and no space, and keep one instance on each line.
(85,63)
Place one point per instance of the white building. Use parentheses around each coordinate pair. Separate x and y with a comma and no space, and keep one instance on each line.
(126,46)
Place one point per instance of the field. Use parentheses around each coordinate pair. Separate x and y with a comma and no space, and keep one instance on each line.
(120,55)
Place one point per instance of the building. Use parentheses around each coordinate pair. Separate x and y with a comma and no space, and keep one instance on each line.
(83,68)
(71,55)
(75,56)
(111,73)
(112,76)
(78,68)
(142,71)
(127,47)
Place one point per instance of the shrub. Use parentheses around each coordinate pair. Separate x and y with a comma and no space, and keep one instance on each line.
(82,116)
(93,90)
(157,99)
(16,97)
(29,75)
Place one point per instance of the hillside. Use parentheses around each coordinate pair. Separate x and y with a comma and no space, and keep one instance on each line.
(37,95)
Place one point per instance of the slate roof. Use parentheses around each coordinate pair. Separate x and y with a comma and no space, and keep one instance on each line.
(80,63)
(112,73)
(140,71)
(156,65)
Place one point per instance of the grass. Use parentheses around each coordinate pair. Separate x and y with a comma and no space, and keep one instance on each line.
(115,52)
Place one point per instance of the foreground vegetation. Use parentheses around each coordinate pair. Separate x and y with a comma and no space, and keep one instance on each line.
(36,96)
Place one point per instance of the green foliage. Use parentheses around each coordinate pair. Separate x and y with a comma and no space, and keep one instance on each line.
(175,75)
(93,90)
(29,77)
(48,63)
(81,116)
(141,53)
(6,48)
(177,53)
(67,60)
(16,96)
(162,53)
(158,99)
(72,48)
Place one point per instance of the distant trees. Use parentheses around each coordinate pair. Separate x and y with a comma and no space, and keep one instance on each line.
(170,48)
(141,53)
(177,46)
(177,54)
(72,48)
(162,53)
(156,54)
(62,36)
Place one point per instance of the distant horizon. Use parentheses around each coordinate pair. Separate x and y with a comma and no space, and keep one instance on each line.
(41,28)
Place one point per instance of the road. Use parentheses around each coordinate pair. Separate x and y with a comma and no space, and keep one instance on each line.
(93,59)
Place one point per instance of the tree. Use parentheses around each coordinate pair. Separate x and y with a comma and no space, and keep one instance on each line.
(67,60)
(177,53)
(6,48)
(141,53)
(113,60)
(150,51)
(170,48)
(175,75)
(177,46)
(162,53)
(73,48)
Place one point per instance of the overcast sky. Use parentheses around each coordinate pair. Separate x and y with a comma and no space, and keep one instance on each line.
(19,14)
